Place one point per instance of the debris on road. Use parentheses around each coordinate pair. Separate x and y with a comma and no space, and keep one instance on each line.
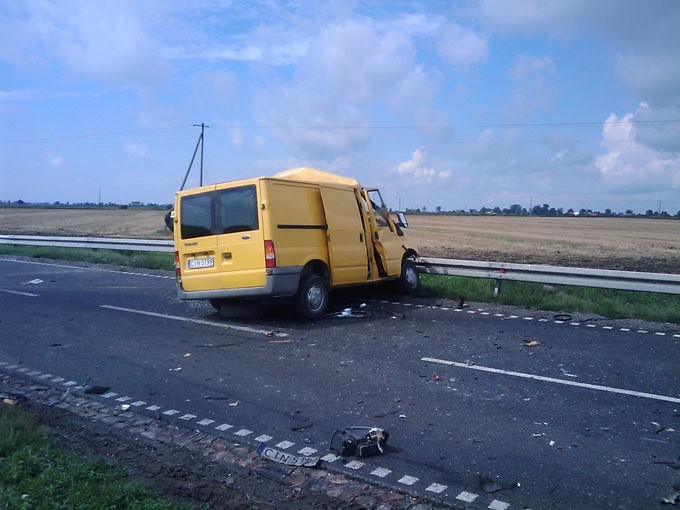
(286,458)
(673,498)
(532,343)
(360,441)
(489,485)
(436,377)
(11,399)
(350,313)
(96,390)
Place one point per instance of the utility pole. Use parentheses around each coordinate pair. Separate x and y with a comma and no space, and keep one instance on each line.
(202,141)
(191,163)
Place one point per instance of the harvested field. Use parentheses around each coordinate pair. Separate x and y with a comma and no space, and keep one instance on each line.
(633,244)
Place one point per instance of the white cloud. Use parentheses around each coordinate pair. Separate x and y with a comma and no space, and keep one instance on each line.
(644,36)
(629,165)
(101,40)
(419,169)
(349,69)
(462,47)
(136,149)
(534,90)
(55,161)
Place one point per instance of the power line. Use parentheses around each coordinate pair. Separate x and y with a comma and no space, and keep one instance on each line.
(93,135)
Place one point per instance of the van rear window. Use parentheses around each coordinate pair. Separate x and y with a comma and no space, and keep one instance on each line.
(236,209)
(196,216)
(219,212)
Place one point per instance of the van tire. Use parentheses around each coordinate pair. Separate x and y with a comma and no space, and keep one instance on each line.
(312,297)
(409,279)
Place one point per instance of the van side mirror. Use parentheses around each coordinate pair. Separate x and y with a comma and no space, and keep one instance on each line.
(402,220)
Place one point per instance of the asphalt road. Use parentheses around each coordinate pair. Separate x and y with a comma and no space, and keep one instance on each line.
(551,413)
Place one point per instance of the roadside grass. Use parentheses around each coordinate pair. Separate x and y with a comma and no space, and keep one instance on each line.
(614,304)
(36,474)
(145,259)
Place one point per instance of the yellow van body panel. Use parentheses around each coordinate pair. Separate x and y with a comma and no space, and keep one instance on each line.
(295,221)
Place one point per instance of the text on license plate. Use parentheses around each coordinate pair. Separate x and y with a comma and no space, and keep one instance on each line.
(201,263)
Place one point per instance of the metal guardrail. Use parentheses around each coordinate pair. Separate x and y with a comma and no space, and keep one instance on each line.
(601,278)
(101,243)
(498,271)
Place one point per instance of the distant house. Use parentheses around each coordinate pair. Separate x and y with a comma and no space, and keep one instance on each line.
(136,204)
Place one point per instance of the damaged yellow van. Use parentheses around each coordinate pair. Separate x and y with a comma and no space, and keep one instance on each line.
(299,233)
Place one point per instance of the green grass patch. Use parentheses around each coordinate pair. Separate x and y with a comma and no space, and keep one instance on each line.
(35,474)
(615,304)
(145,259)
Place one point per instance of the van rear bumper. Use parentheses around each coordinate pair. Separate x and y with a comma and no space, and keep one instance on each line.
(280,281)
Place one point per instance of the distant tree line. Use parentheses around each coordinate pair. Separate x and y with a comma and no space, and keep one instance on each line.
(82,205)
(544,210)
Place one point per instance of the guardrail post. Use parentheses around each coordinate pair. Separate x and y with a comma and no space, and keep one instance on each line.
(497,288)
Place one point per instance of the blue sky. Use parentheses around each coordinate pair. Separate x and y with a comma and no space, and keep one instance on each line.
(458,104)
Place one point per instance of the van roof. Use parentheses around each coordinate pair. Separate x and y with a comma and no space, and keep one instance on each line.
(308,174)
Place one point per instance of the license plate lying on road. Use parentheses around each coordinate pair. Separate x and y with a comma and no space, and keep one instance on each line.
(201,263)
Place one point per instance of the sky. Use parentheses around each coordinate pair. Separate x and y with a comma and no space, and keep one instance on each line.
(451,104)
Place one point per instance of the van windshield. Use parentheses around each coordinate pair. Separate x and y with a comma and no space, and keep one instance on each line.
(219,212)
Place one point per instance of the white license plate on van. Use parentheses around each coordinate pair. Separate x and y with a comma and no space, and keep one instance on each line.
(201,263)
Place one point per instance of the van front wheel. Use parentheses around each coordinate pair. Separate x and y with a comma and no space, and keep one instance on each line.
(409,280)
(312,297)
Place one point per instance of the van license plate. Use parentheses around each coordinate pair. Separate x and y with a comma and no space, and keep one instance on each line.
(201,263)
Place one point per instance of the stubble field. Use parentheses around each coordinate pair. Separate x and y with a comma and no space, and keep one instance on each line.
(633,244)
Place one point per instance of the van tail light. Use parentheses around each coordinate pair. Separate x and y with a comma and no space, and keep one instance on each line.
(178,266)
(269,254)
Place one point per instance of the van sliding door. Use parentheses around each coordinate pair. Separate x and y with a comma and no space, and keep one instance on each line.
(346,238)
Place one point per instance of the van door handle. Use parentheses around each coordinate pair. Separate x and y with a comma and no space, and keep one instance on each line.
(245,236)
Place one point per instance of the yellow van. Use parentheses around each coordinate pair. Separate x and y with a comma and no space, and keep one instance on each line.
(299,233)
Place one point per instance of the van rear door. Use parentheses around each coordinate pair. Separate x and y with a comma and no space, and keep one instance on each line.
(240,238)
(197,242)
(221,242)
(346,237)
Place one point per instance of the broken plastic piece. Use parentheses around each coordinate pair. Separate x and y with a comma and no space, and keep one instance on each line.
(532,343)
(351,313)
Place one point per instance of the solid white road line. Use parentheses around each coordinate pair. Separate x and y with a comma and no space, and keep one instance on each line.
(553,380)
(19,293)
(197,321)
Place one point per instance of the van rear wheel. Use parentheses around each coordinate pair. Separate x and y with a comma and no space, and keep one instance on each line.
(312,297)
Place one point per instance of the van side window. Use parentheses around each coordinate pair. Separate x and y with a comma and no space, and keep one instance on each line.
(196,216)
(237,209)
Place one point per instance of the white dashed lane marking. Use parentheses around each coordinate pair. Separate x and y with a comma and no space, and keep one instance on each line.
(529,318)
(553,380)
(408,480)
(381,472)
